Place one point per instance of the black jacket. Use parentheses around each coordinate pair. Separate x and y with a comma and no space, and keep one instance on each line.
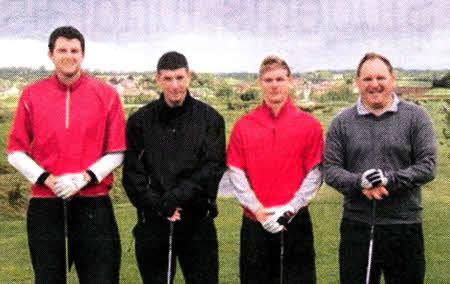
(175,157)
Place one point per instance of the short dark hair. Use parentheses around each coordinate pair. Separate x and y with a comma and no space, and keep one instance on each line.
(67,32)
(172,60)
(370,56)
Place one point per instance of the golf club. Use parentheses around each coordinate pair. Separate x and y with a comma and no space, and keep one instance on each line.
(169,264)
(372,226)
(66,234)
(283,220)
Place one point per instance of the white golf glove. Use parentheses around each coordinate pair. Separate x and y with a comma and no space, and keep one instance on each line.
(372,178)
(68,185)
(271,224)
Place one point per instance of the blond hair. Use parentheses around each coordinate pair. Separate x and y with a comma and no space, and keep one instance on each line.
(272,62)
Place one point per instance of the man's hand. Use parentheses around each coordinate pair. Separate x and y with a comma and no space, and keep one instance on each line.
(64,186)
(262,214)
(367,178)
(279,211)
(272,226)
(50,182)
(168,205)
(268,217)
(276,212)
(68,185)
(176,215)
(372,178)
(81,180)
(376,192)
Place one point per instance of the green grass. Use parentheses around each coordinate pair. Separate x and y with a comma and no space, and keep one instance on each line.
(16,266)
(326,215)
(325,211)
(438,91)
(412,83)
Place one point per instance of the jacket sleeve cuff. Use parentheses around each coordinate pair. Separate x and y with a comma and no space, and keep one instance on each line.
(42,178)
(390,186)
(93,177)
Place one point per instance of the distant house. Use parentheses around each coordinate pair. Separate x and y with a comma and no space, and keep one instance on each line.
(299,82)
(322,86)
(243,87)
(129,86)
(145,83)
(13,91)
(199,92)
(115,82)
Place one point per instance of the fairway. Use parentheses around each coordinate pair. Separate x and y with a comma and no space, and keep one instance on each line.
(325,211)
(326,214)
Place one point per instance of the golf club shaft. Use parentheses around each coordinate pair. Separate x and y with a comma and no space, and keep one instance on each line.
(283,220)
(372,228)
(169,265)
(369,262)
(66,234)
(281,256)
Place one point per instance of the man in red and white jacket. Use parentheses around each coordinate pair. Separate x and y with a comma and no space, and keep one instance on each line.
(67,137)
(274,158)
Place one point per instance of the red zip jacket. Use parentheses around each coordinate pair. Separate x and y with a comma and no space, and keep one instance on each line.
(276,153)
(65,129)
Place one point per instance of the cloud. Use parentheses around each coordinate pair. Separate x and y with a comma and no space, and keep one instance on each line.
(227,36)
(24,53)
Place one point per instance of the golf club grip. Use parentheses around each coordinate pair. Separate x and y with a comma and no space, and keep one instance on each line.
(283,220)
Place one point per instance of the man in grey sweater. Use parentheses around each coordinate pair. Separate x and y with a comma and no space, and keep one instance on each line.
(378,154)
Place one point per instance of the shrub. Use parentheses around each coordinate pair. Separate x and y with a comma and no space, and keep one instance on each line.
(250,95)
(224,91)
(444,82)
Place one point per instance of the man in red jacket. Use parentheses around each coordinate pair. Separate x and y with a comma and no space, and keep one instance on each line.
(67,137)
(274,158)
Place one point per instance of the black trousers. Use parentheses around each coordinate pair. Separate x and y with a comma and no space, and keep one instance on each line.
(93,239)
(194,243)
(260,252)
(398,252)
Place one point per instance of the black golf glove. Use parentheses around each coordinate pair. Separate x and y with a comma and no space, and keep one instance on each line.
(169,203)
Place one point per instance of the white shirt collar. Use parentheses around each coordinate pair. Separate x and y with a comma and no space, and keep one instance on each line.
(362,110)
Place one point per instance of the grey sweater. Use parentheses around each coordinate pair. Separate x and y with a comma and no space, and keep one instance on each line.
(401,142)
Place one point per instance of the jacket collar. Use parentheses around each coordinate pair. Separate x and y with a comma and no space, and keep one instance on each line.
(167,113)
(187,101)
(285,109)
(72,86)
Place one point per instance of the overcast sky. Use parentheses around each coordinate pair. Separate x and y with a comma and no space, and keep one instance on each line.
(231,35)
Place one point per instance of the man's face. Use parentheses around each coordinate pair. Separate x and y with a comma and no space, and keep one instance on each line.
(375,84)
(174,84)
(67,57)
(275,85)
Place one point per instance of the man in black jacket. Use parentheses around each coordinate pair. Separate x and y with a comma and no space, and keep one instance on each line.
(173,164)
